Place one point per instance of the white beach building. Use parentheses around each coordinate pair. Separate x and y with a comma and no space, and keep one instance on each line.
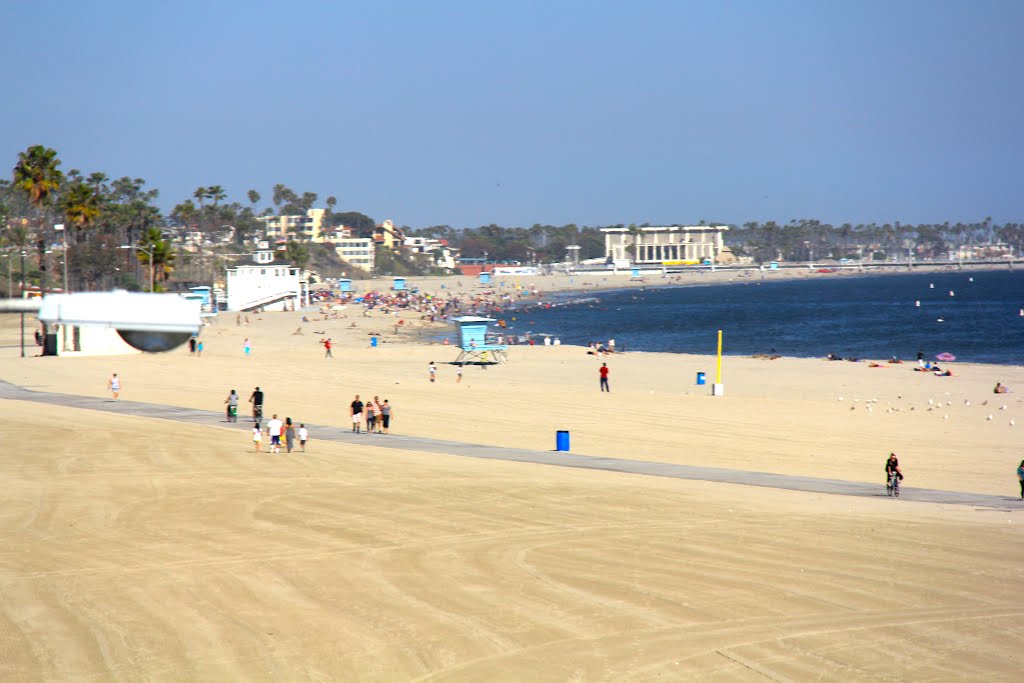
(116,323)
(266,287)
(665,245)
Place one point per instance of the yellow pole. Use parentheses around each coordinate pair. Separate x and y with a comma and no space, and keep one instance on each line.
(718,374)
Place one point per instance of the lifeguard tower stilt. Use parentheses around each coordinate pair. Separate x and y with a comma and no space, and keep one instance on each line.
(475,348)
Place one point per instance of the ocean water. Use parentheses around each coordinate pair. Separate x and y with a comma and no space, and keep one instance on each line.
(870,316)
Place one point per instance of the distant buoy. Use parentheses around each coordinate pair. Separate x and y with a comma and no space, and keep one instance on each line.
(1022,312)
(918,304)
(931,286)
(951,293)
(970,279)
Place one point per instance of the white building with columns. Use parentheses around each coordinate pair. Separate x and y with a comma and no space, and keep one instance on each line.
(665,244)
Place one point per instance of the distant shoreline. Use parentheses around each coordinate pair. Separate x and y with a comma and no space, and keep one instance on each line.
(594,281)
(565,289)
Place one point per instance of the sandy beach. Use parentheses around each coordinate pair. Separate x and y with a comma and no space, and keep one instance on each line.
(140,548)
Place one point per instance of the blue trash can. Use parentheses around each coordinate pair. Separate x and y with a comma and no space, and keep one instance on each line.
(562,440)
(701,379)
(373,342)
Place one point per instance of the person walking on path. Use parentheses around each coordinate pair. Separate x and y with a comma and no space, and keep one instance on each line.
(247,346)
(192,346)
(274,429)
(114,385)
(433,371)
(458,374)
(371,417)
(303,436)
(327,348)
(378,411)
(257,436)
(385,416)
(356,411)
(604,377)
(1020,476)
(199,349)
(232,402)
(289,434)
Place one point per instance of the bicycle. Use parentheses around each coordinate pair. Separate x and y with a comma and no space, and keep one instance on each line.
(892,487)
(257,412)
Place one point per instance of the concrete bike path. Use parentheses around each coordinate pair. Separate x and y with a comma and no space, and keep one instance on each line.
(558,459)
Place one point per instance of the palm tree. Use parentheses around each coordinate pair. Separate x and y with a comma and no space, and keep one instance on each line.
(81,209)
(200,195)
(216,193)
(98,181)
(254,198)
(81,206)
(36,173)
(185,213)
(162,253)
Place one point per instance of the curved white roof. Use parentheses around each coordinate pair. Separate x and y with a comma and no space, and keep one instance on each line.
(124,311)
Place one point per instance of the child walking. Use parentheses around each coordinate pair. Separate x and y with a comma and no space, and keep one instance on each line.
(257,436)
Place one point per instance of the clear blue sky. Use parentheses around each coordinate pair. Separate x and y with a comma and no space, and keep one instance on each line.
(526,112)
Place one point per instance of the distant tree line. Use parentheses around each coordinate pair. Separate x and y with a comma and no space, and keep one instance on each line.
(113,230)
(810,239)
(797,240)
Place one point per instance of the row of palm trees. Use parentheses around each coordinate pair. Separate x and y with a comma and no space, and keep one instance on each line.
(99,217)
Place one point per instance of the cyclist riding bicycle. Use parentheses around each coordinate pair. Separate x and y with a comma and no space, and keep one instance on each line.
(892,465)
(257,404)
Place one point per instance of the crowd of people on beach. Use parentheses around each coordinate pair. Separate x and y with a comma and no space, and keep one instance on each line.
(277,431)
(375,414)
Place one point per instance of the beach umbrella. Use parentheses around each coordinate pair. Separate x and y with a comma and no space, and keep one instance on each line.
(945,357)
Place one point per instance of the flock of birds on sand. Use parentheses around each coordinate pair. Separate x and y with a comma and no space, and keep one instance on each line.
(933,405)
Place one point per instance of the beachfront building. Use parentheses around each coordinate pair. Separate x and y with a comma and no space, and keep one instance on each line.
(359,251)
(335,235)
(297,228)
(443,256)
(665,245)
(266,287)
(388,236)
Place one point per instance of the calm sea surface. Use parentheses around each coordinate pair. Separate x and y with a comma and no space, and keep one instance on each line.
(854,316)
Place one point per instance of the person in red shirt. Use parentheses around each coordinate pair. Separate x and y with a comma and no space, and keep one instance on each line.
(604,377)
(327,347)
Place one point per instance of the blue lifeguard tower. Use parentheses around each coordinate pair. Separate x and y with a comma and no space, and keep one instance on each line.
(398,284)
(344,285)
(475,348)
(485,277)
